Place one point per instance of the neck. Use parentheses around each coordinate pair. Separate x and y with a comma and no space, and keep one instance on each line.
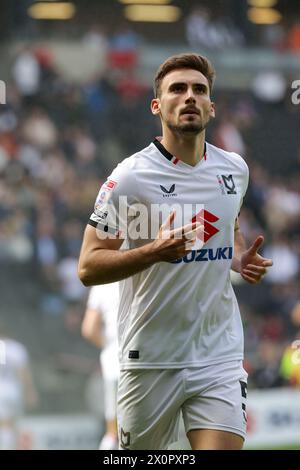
(189,149)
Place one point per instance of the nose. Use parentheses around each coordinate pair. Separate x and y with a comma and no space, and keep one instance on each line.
(190,97)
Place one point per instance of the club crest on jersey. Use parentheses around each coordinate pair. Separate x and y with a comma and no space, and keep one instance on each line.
(168,192)
(227,184)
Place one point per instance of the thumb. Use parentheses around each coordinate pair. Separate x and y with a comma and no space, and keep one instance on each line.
(169,220)
(256,245)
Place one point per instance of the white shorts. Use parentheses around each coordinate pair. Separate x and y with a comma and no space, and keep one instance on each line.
(150,402)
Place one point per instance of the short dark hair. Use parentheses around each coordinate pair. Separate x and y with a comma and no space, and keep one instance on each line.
(184,61)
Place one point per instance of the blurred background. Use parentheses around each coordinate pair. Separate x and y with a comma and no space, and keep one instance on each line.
(78,83)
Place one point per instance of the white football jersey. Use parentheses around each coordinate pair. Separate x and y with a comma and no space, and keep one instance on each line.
(184,313)
(105,300)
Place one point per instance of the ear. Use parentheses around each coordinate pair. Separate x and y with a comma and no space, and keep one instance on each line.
(212,109)
(155,106)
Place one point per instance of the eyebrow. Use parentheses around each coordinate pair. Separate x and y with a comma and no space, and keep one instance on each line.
(175,84)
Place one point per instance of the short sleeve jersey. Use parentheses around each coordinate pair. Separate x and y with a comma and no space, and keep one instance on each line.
(184,313)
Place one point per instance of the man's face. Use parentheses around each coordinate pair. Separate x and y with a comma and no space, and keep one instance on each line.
(184,103)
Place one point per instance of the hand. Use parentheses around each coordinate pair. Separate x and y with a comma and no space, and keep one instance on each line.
(254,266)
(171,245)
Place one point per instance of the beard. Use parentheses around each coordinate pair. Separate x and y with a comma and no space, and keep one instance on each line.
(190,128)
(186,128)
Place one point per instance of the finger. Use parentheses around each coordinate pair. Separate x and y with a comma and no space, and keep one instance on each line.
(256,269)
(267,263)
(194,232)
(253,274)
(189,244)
(256,245)
(169,220)
(182,232)
(249,279)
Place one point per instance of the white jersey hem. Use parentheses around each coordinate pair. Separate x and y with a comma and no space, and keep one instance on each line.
(179,365)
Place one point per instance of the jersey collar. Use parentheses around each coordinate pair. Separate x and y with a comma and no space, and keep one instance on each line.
(168,155)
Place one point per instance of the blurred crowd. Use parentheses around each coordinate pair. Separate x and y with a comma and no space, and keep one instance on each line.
(217,31)
(59,141)
(215,26)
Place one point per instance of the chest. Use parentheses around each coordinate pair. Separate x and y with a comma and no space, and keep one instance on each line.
(216,191)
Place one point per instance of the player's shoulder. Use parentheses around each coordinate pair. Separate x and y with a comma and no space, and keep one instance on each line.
(126,173)
(232,158)
(137,159)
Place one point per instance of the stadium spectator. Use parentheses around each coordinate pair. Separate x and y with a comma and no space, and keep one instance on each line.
(290,363)
(293,37)
(26,72)
(286,261)
(202,30)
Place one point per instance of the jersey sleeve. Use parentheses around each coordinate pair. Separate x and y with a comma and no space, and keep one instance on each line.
(245,177)
(245,182)
(111,209)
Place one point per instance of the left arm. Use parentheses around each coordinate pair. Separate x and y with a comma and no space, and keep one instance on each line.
(251,266)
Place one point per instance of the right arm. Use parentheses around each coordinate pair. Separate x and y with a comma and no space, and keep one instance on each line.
(101,262)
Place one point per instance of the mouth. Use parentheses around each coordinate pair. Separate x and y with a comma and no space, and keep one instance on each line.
(190,112)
